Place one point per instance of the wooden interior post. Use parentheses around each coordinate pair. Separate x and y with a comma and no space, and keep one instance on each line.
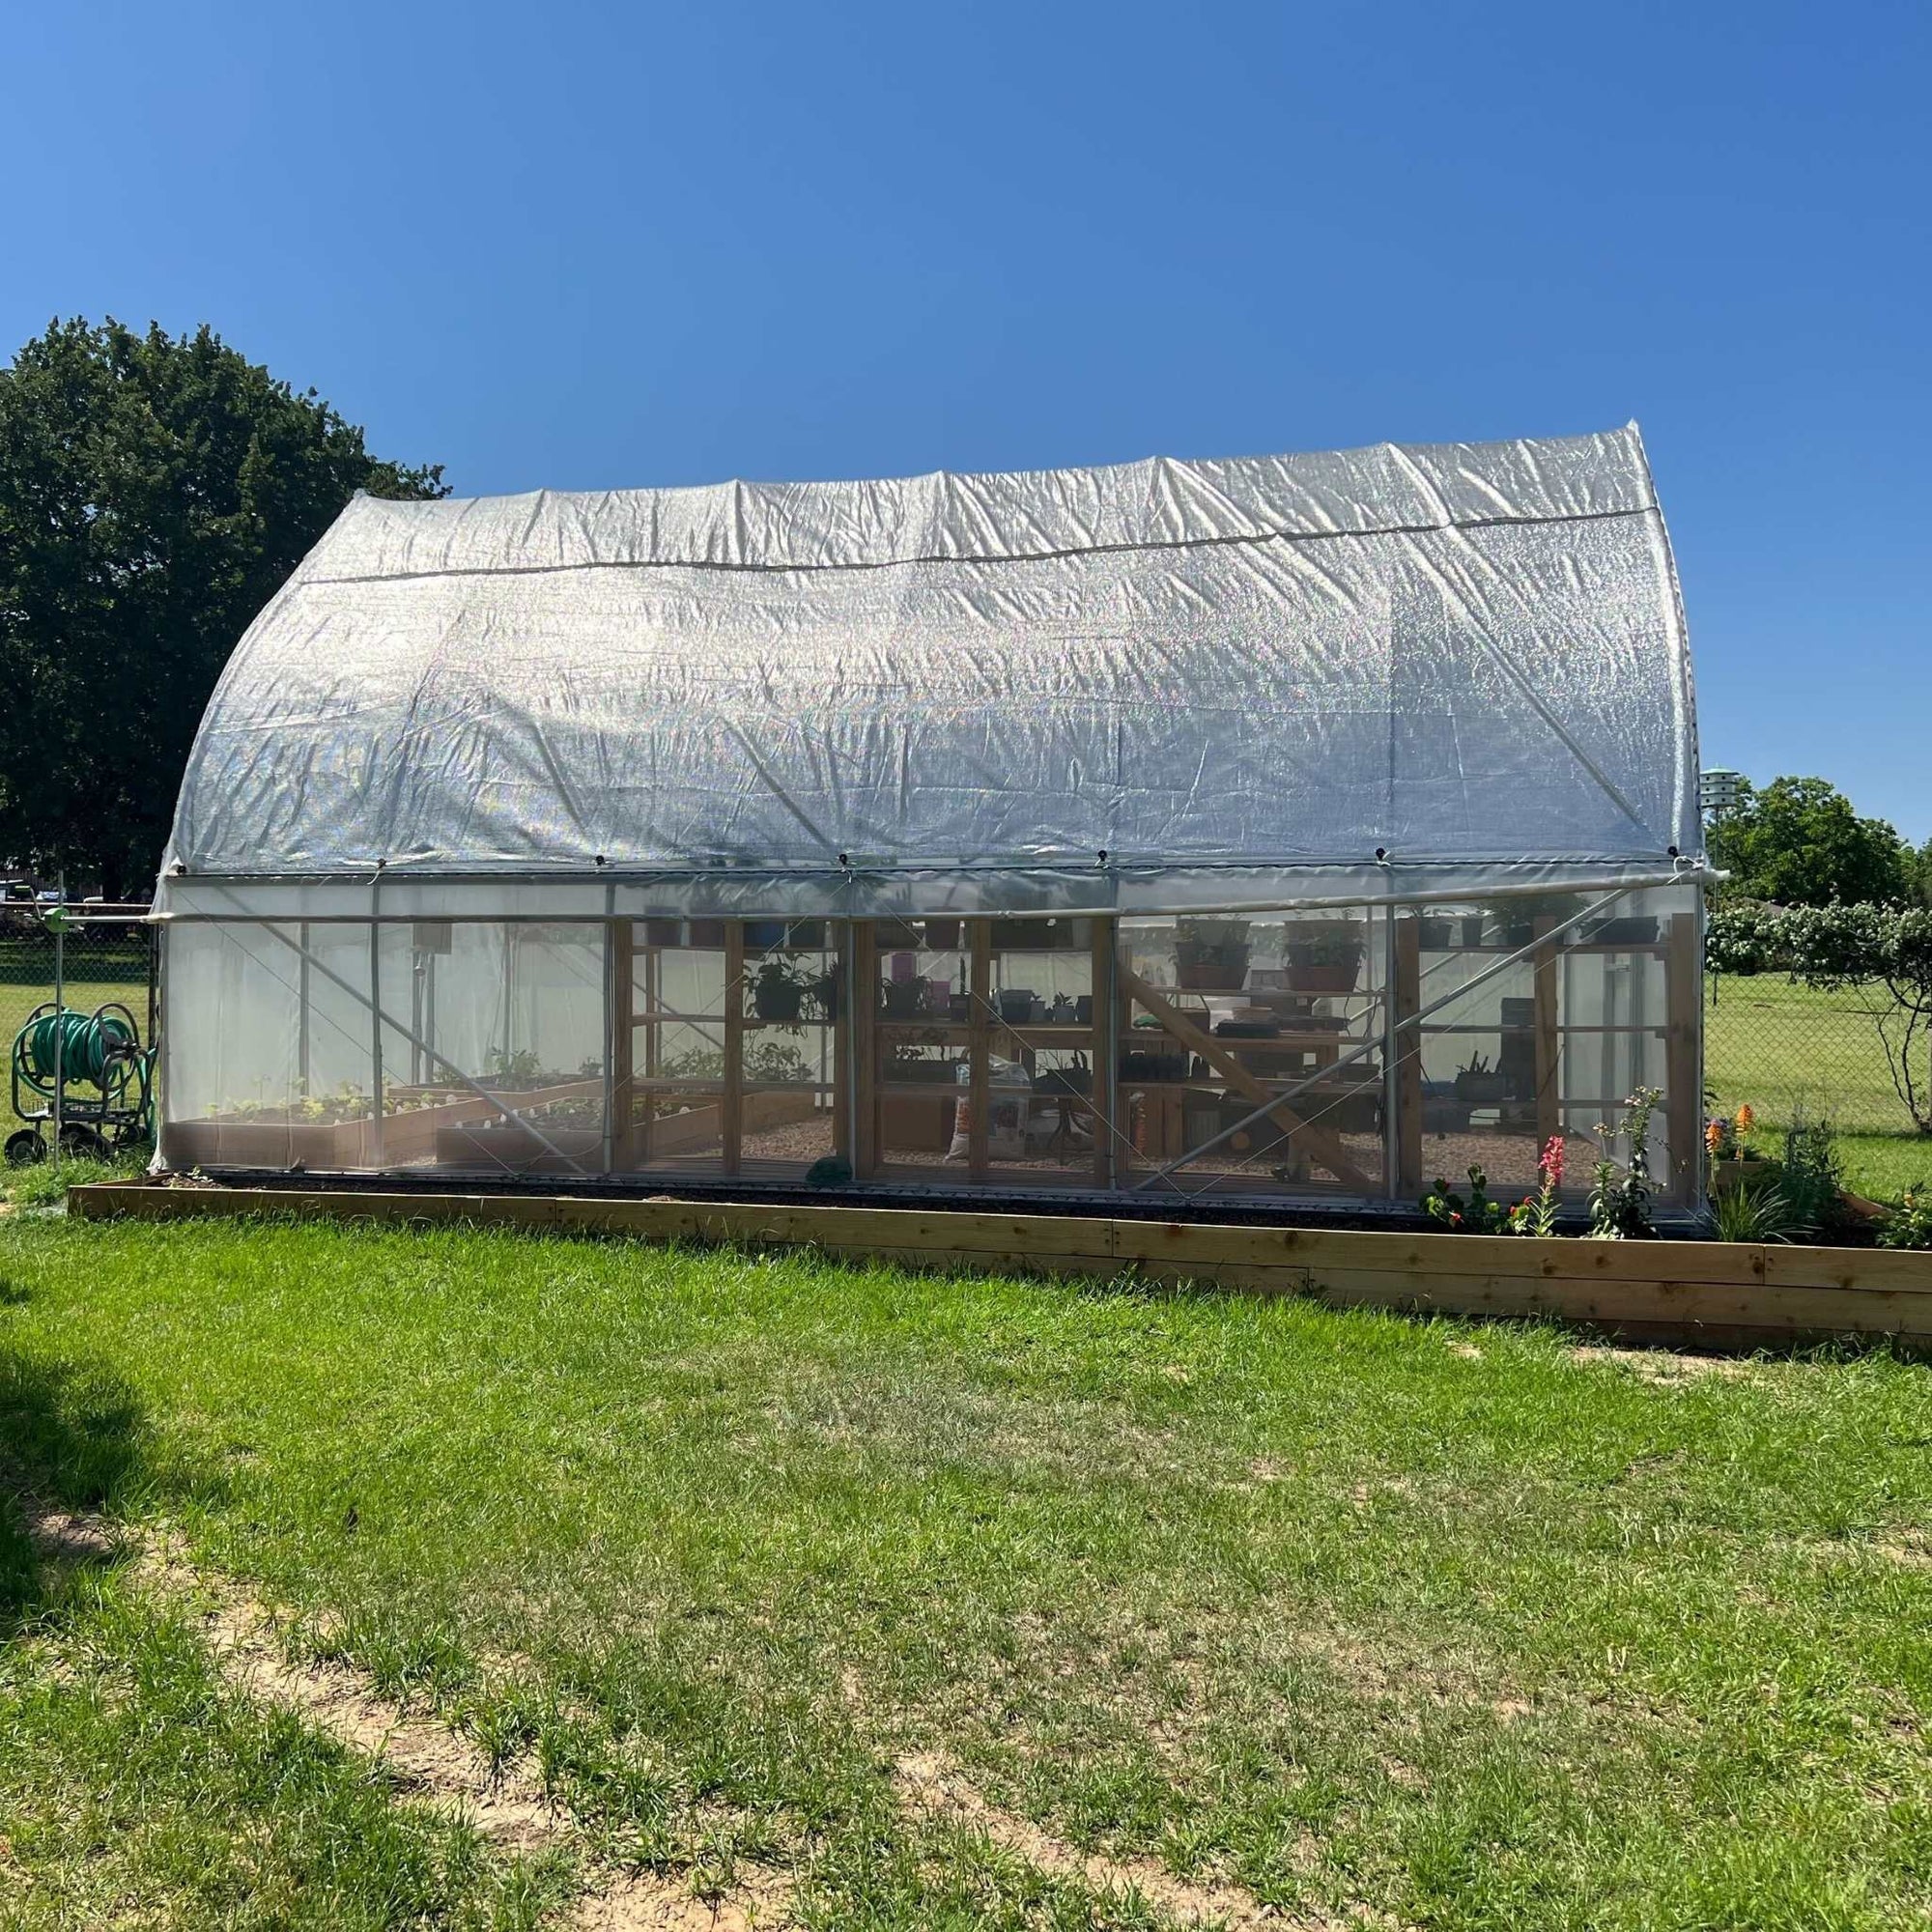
(1317,1142)
(980,939)
(842,1044)
(624,1039)
(1549,1044)
(863,1000)
(1682,1099)
(731,1112)
(1405,1003)
(1102,1111)
(645,1131)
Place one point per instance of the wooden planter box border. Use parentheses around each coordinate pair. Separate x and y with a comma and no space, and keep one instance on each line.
(1706,1293)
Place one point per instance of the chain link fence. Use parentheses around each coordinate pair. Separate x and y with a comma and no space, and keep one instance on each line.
(88,960)
(1788,1050)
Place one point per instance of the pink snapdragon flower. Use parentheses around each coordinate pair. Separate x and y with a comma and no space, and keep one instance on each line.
(1552,1161)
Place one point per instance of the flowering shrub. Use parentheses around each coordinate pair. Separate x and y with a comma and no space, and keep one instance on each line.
(1910,1224)
(1620,1200)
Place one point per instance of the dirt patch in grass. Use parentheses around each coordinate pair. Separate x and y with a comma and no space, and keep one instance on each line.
(426,1761)
(1664,1365)
(930,1784)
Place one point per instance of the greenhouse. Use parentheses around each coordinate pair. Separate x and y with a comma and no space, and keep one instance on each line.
(1294,828)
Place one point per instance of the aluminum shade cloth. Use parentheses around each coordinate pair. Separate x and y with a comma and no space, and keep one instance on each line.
(1237,680)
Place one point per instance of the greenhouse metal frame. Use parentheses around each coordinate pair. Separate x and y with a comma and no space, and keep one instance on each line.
(1288,830)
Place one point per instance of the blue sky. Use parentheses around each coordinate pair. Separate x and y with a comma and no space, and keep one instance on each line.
(582,246)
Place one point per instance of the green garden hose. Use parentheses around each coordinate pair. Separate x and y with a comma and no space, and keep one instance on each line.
(99,1048)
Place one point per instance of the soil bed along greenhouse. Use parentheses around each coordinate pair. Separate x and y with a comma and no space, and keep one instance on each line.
(1290,830)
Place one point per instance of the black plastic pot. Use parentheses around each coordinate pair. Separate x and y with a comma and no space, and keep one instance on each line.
(1064,1080)
(904,998)
(1632,931)
(1031,935)
(926,1072)
(1138,1065)
(779,1000)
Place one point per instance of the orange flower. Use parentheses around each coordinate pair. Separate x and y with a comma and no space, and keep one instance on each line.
(1714,1136)
(1746,1120)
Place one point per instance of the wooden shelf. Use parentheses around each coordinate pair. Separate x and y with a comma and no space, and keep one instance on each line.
(959,1032)
(1341,1088)
(1656,947)
(748,1024)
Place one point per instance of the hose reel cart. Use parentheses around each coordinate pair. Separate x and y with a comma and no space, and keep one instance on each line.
(95,1068)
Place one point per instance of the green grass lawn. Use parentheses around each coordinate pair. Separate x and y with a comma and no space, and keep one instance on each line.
(1458,1626)
(1789,1050)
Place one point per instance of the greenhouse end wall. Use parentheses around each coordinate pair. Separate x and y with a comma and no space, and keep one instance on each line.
(1347,1055)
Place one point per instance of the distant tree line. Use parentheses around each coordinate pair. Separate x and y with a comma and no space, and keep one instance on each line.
(1834,901)
(1801,842)
(154,493)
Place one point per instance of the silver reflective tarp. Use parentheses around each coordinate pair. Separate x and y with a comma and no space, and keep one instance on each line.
(1151,686)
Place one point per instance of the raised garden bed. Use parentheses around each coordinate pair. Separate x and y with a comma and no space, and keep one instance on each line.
(407,1136)
(1704,1292)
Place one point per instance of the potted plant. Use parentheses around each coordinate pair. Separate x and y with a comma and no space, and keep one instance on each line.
(1210,956)
(1017,1005)
(778,990)
(823,990)
(1732,1157)
(1324,956)
(902,999)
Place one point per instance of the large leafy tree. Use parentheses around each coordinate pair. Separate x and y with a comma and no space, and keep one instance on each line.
(154,492)
(1800,843)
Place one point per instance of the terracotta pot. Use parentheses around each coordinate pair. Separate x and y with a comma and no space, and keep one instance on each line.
(1220,972)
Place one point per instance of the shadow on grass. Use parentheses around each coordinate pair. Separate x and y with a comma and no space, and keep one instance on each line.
(72,1437)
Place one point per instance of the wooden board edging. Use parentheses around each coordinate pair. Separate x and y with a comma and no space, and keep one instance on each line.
(1710,1292)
